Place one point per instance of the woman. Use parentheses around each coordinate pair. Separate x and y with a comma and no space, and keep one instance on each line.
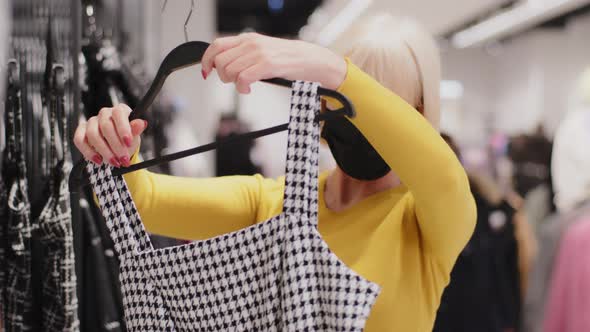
(398,217)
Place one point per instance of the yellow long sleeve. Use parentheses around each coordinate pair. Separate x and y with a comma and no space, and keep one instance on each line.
(421,158)
(194,208)
(405,239)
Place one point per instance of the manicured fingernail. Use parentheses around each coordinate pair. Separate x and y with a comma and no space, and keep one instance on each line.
(97,159)
(145,123)
(127,140)
(115,162)
(124,161)
(204,74)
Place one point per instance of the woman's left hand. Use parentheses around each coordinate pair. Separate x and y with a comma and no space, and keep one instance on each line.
(251,57)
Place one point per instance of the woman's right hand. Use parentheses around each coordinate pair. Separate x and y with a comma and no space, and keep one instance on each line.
(110,136)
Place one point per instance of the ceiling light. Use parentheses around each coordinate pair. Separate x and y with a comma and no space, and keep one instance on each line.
(341,21)
(523,16)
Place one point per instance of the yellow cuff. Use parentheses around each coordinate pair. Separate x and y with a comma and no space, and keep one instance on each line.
(332,103)
(135,157)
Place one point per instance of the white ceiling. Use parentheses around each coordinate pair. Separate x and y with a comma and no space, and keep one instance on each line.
(439,16)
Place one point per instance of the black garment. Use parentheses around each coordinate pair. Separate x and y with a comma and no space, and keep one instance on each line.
(233,159)
(102,307)
(531,156)
(17,256)
(104,80)
(484,292)
(3,240)
(54,231)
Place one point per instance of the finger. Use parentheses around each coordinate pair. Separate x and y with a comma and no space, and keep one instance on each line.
(109,133)
(218,46)
(97,141)
(120,118)
(253,74)
(232,62)
(138,126)
(224,59)
(82,144)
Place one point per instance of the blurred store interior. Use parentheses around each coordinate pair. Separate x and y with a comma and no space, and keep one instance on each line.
(509,67)
(513,71)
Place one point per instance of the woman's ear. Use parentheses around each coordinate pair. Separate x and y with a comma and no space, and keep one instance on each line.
(420,108)
(420,105)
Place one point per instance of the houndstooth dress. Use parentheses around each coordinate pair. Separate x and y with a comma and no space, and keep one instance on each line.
(278,275)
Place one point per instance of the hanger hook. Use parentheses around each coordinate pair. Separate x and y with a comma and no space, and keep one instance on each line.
(164,5)
(187,19)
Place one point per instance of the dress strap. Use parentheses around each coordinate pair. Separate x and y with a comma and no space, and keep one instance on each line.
(302,167)
(118,210)
(132,214)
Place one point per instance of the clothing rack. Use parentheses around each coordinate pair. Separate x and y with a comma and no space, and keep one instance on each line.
(44,42)
(41,31)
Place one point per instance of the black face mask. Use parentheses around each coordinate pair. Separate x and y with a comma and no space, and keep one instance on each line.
(352,152)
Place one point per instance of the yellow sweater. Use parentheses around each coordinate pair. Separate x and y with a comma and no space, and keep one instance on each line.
(405,239)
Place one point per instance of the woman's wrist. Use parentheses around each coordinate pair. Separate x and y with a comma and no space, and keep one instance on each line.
(332,71)
(336,73)
(320,65)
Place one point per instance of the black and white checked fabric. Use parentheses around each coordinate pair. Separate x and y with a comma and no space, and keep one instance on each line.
(3,243)
(275,276)
(54,230)
(17,255)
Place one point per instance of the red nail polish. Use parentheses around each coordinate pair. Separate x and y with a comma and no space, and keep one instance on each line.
(127,140)
(204,74)
(97,159)
(115,162)
(124,161)
(145,123)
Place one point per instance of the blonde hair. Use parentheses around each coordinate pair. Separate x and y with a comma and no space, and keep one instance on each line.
(403,57)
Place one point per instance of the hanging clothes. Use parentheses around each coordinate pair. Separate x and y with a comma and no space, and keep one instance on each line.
(3,239)
(17,259)
(38,275)
(531,163)
(3,243)
(54,231)
(571,180)
(33,296)
(550,235)
(571,159)
(233,159)
(277,275)
(531,159)
(484,294)
(568,302)
(103,310)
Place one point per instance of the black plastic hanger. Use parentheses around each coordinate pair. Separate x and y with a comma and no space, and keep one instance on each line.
(191,53)
(188,54)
